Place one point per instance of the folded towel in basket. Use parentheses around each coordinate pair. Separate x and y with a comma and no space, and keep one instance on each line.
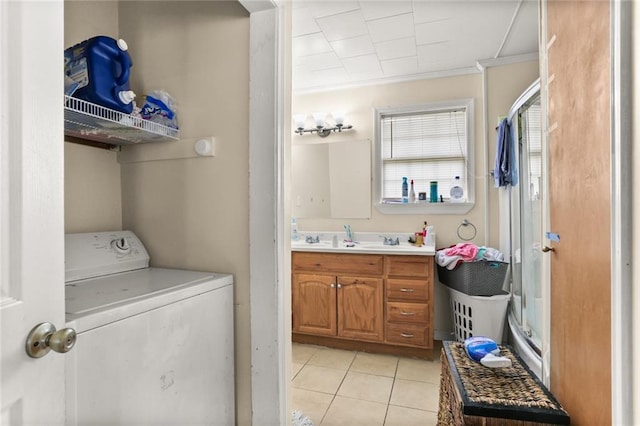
(466,252)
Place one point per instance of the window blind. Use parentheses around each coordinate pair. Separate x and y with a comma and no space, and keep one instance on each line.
(424,146)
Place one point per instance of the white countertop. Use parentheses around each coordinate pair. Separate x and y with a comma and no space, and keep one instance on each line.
(365,242)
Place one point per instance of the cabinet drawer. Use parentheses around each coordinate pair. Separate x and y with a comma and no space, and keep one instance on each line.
(409,334)
(417,313)
(338,263)
(409,266)
(412,290)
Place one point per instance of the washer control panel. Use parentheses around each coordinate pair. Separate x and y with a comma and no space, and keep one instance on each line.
(95,254)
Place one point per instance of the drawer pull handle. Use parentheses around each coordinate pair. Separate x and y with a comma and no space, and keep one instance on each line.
(407,335)
(407,290)
(408,314)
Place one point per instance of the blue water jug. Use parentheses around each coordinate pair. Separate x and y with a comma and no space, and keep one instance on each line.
(101,66)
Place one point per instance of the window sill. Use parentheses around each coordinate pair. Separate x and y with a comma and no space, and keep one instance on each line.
(424,208)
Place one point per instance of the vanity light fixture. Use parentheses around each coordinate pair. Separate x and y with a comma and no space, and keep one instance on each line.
(323,129)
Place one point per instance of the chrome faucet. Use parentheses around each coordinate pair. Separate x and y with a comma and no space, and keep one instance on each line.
(391,242)
(311,240)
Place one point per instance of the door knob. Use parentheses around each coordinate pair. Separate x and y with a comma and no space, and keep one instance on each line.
(44,337)
(547,249)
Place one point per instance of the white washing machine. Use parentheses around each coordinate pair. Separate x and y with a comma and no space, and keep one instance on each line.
(154,346)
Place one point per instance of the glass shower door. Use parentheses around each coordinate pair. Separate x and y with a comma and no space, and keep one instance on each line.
(526,221)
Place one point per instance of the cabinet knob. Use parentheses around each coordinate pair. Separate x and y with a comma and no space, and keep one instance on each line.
(339,285)
(333,285)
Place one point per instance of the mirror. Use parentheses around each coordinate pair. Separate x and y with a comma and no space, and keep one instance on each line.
(331,180)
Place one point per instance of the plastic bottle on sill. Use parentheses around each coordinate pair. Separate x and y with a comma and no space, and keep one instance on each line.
(405,190)
(412,193)
(456,193)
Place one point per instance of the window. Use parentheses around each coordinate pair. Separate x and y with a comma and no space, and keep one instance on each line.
(425,143)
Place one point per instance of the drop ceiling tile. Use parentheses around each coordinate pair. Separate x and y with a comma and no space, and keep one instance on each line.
(310,45)
(362,64)
(299,4)
(339,72)
(344,25)
(303,23)
(399,48)
(384,9)
(520,41)
(367,76)
(482,48)
(317,62)
(435,52)
(486,30)
(392,28)
(400,66)
(438,31)
(331,76)
(436,65)
(430,11)
(320,9)
(449,35)
(356,46)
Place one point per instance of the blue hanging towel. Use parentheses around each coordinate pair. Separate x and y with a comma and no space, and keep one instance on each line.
(505,169)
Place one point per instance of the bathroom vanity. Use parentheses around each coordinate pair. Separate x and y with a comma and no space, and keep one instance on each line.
(372,297)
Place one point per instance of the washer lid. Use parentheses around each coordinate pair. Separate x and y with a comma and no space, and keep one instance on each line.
(97,301)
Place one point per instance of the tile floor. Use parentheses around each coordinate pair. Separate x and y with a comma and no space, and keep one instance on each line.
(338,387)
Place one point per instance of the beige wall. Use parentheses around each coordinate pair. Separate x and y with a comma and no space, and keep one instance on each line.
(359,104)
(194,213)
(92,198)
(190,213)
(504,86)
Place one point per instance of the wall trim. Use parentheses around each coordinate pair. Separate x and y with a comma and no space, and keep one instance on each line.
(269,357)
(621,214)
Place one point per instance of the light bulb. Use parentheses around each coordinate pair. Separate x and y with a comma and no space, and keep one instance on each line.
(299,120)
(338,116)
(319,118)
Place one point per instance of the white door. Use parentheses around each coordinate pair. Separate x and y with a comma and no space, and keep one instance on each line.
(31,213)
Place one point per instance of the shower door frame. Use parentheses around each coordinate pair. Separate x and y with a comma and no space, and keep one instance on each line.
(540,344)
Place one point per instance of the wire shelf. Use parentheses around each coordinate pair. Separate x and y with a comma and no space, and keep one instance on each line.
(85,120)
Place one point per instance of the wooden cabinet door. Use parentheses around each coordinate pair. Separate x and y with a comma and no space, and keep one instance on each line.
(314,304)
(360,308)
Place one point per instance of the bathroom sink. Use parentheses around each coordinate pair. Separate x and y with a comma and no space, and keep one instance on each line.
(383,247)
(304,244)
(368,242)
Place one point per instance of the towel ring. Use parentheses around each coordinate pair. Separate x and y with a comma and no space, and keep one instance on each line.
(466,223)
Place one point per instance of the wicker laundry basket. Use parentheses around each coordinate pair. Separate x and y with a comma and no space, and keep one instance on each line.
(472,394)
